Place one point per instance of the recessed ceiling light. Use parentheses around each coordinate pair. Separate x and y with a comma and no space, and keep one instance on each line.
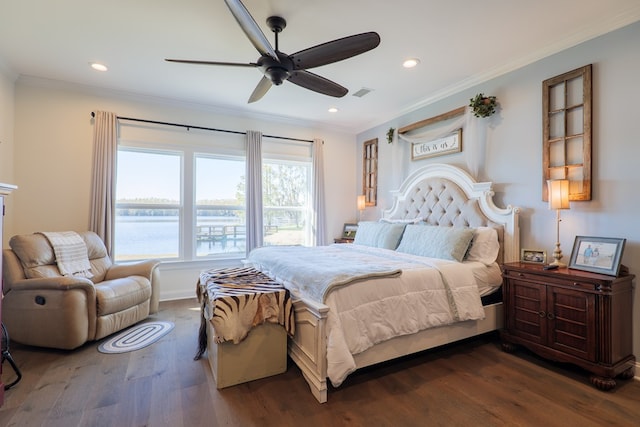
(333,110)
(98,67)
(410,63)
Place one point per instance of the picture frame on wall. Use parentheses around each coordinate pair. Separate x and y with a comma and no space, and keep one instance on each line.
(349,231)
(533,256)
(446,145)
(597,254)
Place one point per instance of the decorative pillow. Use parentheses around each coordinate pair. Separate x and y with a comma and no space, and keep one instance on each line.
(436,242)
(378,234)
(484,247)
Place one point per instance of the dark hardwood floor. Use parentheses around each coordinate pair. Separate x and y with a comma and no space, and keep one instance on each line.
(473,383)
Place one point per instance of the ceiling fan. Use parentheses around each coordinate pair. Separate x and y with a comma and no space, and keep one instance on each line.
(278,67)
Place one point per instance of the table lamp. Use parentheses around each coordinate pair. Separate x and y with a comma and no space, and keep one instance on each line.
(360,202)
(558,199)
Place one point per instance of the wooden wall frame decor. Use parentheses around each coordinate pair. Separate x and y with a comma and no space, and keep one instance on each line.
(370,172)
(446,145)
(566,124)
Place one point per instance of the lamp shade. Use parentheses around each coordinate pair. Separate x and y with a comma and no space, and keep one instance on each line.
(558,193)
(361,202)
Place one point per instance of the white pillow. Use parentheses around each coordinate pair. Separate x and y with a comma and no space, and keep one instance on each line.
(436,242)
(484,246)
(378,234)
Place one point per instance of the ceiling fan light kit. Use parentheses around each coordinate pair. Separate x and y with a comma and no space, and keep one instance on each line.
(278,67)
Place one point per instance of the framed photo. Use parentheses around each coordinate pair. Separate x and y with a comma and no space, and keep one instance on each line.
(349,231)
(533,256)
(597,254)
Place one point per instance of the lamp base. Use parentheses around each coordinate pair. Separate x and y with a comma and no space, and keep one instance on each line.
(557,256)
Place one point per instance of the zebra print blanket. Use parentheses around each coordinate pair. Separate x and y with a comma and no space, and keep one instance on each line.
(236,299)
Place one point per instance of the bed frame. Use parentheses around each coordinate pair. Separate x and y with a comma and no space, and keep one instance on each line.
(441,195)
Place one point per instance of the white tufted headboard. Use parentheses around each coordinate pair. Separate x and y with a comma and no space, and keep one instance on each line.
(445,195)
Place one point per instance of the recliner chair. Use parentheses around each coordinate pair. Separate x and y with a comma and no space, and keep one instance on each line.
(43,308)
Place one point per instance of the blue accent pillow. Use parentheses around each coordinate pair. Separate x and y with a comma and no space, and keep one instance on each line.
(436,242)
(378,234)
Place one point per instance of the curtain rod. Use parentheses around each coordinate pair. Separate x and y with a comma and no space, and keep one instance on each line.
(93,114)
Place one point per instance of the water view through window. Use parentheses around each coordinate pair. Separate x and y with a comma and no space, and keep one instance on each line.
(153,215)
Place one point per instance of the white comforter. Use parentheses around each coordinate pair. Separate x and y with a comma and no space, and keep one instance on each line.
(429,292)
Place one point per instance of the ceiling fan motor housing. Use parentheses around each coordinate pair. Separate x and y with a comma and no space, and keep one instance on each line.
(276,71)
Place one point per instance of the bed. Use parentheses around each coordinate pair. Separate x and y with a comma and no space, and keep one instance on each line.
(439,200)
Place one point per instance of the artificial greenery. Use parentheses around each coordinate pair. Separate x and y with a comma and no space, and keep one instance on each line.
(390,135)
(483,106)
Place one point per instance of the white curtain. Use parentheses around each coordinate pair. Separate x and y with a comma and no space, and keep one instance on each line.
(103,183)
(254,190)
(474,138)
(318,209)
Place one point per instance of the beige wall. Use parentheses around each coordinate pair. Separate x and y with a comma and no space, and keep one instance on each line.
(7,105)
(53,155)
(514,149)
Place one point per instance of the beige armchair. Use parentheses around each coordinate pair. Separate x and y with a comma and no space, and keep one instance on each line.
(43,308)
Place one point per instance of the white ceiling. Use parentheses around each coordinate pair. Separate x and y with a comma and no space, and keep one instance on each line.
(460,43)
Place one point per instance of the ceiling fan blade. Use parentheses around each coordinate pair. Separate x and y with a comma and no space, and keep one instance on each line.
(335,50)
(232,64)
(261,89)
(250,28)
(317,83)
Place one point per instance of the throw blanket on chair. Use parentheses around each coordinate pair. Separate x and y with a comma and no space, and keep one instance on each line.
(71,253)
(236,299)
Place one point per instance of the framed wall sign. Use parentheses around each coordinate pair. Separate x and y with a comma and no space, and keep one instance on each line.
(438,147)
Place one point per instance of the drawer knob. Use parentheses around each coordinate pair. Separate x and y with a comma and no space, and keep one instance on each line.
(550,316)
(541,313)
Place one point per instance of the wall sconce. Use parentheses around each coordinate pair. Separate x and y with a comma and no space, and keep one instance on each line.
(558,199)
(360,203)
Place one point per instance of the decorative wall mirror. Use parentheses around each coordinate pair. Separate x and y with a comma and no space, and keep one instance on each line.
(566,121)
(370,172)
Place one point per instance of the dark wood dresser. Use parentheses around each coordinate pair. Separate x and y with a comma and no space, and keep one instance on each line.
(571,316)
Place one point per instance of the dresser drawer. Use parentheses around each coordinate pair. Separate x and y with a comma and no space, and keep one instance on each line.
(552,280)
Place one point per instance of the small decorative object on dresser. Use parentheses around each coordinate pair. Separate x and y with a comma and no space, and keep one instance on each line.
(349,231)
(571,316)
(533,256)
(597,254)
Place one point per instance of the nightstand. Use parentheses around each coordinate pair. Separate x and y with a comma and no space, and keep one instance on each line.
(571,316)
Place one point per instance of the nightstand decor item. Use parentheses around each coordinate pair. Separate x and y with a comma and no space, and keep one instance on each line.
(349,231)
(533,256)
(597,254)
(361,203)
(558,199)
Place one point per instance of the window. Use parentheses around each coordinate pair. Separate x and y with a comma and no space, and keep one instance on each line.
(185,201)
(148,205)
(220,205)
(286,202)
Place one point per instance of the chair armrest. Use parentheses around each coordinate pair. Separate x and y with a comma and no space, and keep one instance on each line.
(142,268)
(148,269)
(54,283)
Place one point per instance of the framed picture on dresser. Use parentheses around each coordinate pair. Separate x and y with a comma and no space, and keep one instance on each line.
(597,254)
(533,256)
(349,231)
